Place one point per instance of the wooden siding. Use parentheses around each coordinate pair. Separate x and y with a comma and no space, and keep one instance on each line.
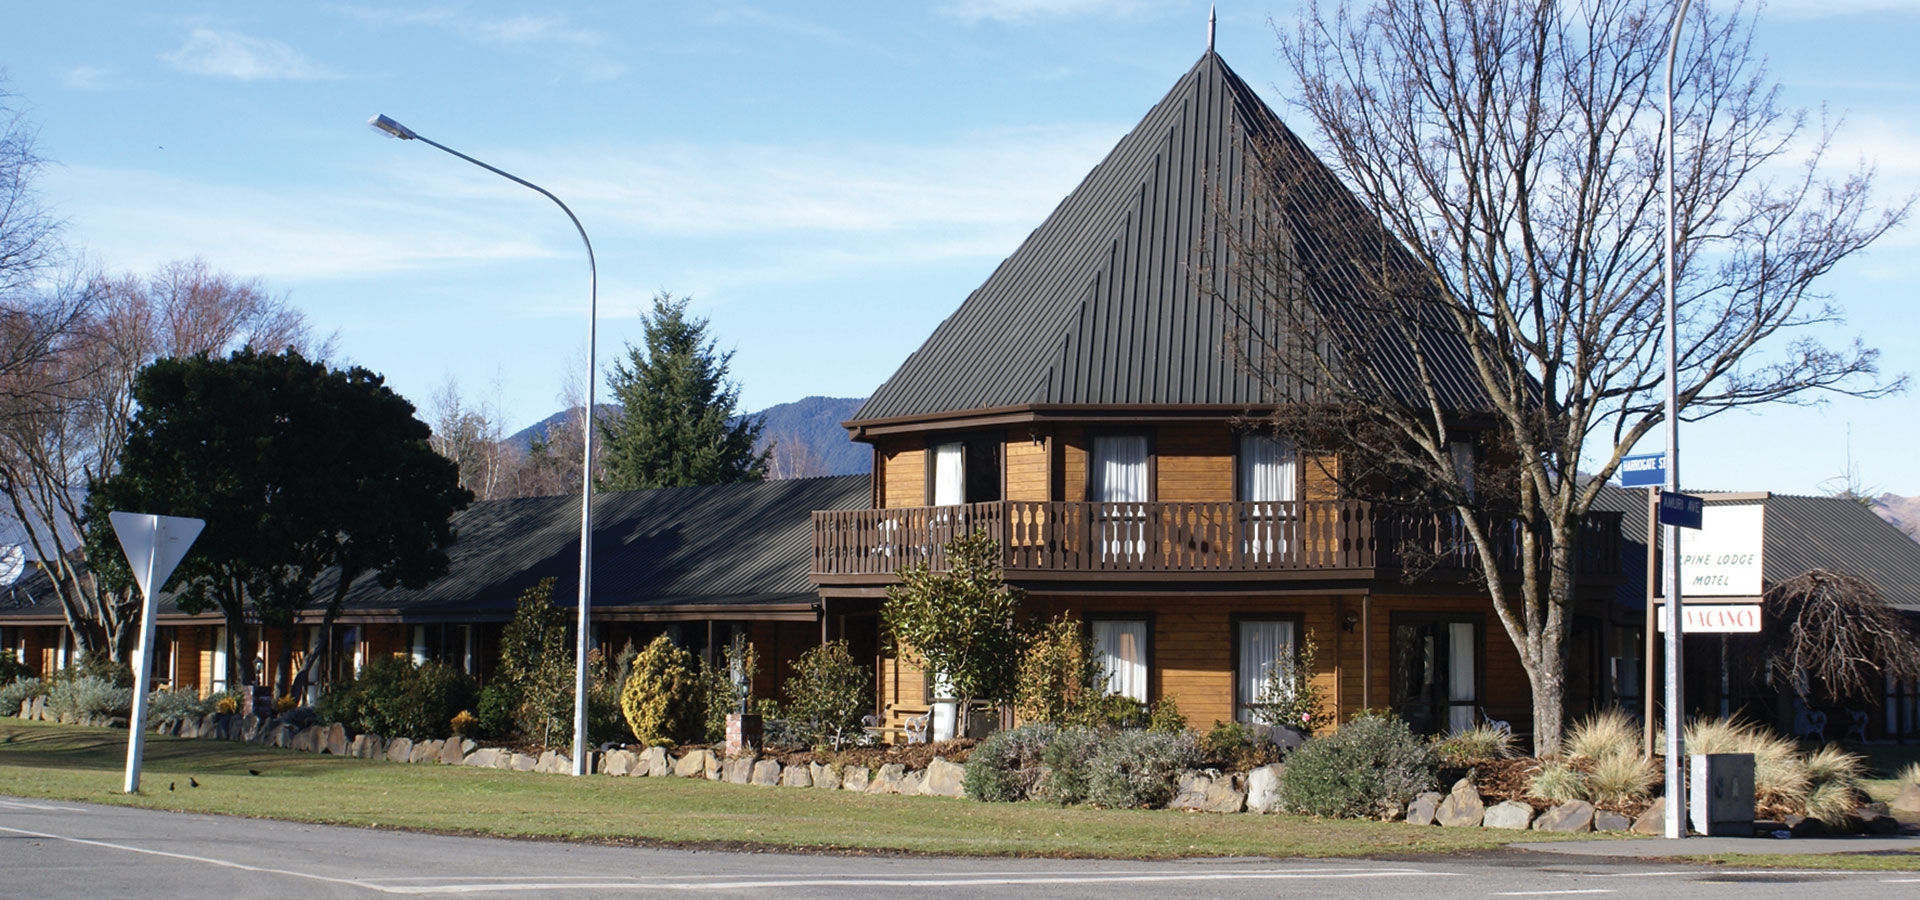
(1195,463)
(1027,471)
(1072,461)
(1320,475)
(904,476)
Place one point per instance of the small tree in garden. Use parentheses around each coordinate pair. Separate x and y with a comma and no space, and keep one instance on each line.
(1289,698)
(1059,676)
(534,693)
(828,694)
(961,622)
(661,698)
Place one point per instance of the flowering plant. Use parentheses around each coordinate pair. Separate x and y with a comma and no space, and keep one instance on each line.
(1289,698)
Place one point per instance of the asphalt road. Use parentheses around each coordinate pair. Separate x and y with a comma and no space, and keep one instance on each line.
(54,850)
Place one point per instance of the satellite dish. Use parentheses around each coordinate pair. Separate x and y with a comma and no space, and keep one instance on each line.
(13,561)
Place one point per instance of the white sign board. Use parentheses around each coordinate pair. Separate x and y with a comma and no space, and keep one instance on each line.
(154,546)
(1716,618)
(1723,558)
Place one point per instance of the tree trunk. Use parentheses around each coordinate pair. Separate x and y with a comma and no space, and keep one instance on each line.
(1549,674)
(239,650)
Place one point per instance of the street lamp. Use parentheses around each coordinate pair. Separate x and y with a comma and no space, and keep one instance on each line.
(580,755)
(1676,824)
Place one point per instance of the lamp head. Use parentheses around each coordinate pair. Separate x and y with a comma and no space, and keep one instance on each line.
(392,128)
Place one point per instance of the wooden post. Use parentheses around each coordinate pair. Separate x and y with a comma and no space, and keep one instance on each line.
(1646,681)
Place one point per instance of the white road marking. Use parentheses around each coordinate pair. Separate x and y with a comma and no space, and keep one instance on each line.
(225,864)
(22,804)
(1548,893)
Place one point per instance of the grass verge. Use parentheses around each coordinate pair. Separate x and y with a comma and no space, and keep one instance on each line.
(1853,862)
(62,762)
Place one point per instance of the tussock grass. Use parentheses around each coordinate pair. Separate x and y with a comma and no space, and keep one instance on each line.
(1909,774)
(1604,734)
(1558,782)
(1619,778)
(1780,776)
(1476,743)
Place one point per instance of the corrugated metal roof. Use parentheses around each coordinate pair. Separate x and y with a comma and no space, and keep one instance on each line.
(1802,533)
(1112,300)
(734,545)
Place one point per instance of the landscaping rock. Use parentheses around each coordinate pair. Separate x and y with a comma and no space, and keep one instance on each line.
(1421,811)
(545,762)
(1606,820)
(796,776)
(1654,820)
(425,751)
(1263,789)
(485,758)
(1803,827)
(855,778)
(738,770)
(1462,808)
(1906,804)
(697,764)
(887,780)
(282,736)
(39,712)
(912,782)
(1224,796)
(1573,817)
(1509,814)
(357,748)
(1875,822)
(399,750)
(825,777)
(1190,790)
(520,762)
(766,773)
(337,739)
(944,779)
(563,764)
(453,753)
(655,762)
(619,762)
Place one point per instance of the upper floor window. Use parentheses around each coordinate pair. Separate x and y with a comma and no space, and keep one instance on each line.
(1268,469)
(1463,465)
(1119,469)
(963,471)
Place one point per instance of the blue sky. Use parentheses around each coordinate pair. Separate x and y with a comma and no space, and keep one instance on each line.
(827,181)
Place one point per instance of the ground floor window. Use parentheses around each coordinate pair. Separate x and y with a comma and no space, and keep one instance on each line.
(1436,671)
(1903,709)
(1121,645)
(1262,647)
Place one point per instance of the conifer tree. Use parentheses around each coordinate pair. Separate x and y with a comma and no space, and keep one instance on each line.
(677,425)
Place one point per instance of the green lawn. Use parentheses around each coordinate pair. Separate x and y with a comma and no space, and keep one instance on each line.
(74,763)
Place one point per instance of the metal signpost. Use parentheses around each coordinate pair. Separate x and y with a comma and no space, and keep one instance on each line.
(154,545)
(1647,470)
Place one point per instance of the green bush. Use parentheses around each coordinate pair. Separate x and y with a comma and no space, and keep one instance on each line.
(828,695)
(1135,769)
(13,693)
(536,679)
(1007,765)
(394,698)
(88,695)
(1372,765)
(1066,757)
(661,697)
(12,670)
(1164,716)
(166,705)
(1233,747)
(496,708)
(1058,675)
(606,678)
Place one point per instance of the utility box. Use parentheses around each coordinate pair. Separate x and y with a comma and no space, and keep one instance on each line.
(1720,794)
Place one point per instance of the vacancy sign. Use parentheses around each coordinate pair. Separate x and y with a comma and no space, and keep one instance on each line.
(154,546)
(1716,618)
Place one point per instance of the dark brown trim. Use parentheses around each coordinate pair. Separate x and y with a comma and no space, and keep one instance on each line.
(1235,620)
(861,430)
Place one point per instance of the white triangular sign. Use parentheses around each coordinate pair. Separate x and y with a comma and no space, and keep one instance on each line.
(154,544)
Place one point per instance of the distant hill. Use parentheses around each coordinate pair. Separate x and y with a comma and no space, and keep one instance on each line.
(1903,512)
(806,436)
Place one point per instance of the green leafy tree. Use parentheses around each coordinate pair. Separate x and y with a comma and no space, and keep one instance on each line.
(307,477)
(534,692)
(828,694)
(961,622)
(677,425)
(1059,676)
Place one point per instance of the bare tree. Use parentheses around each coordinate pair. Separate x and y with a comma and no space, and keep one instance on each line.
(29,234)
(1833,634)
(789,457)
(470,435)
(1488,274)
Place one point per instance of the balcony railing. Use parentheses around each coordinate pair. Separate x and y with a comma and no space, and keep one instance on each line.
(1347,536)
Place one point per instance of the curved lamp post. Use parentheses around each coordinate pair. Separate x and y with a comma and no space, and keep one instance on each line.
(1676,823)
(583,631)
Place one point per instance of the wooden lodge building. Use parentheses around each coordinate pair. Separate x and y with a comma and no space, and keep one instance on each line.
(1083,407)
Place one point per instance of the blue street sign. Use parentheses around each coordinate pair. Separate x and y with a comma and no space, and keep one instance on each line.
(1681,510)
(1645,470)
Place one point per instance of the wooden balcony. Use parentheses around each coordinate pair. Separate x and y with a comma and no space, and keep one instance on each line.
(1176,541)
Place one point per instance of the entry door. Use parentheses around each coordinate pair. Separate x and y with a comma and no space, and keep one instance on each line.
(1119,484)
(1436,673)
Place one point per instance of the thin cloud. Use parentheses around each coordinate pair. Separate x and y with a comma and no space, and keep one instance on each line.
(511,30)
(1825,9)
(230,54)
(1021,11)
(89,78)
(748,15)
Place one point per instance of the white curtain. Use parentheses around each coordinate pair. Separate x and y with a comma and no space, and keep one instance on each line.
(1263,648)
(1462,453)
(1121,645)
(1269,475)
(220,658)
(1120,477)
(1460,676)
(949,474)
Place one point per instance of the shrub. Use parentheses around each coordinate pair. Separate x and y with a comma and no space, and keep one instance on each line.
(13,693)
(165,705)
(496,708)
(606,678)
(1779,775)
(1007,765)
(88,695)
(1372,765)
(12,670)
(828,695)
(226,703)
(1066,756)
(285,703)
(1112,711)
(1135,769)
(661,699)
(728,689)
(1164,716)
(1289,698)
(1606,733)
(464,724)
(536,681)
(1235,747)
(1059,676)
(1474,744)
(394,698)
(1621,777)
(1557,782)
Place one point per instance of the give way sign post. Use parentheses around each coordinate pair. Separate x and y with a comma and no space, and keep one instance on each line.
(154,546)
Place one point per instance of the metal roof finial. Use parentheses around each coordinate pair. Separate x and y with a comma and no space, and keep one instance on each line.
(1210,7)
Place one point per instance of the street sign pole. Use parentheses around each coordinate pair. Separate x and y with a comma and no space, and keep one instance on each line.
(154,545)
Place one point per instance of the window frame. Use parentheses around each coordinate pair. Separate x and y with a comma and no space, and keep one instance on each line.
(1235,620)
(1147,650)
(1478,620)
(1153,460)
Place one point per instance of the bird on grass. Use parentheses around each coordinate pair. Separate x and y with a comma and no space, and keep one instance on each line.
(169,785)
(191,782)
(254,772)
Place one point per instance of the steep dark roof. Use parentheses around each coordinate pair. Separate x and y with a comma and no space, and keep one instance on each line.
(1117,298)
(730,548)
(1802,533)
